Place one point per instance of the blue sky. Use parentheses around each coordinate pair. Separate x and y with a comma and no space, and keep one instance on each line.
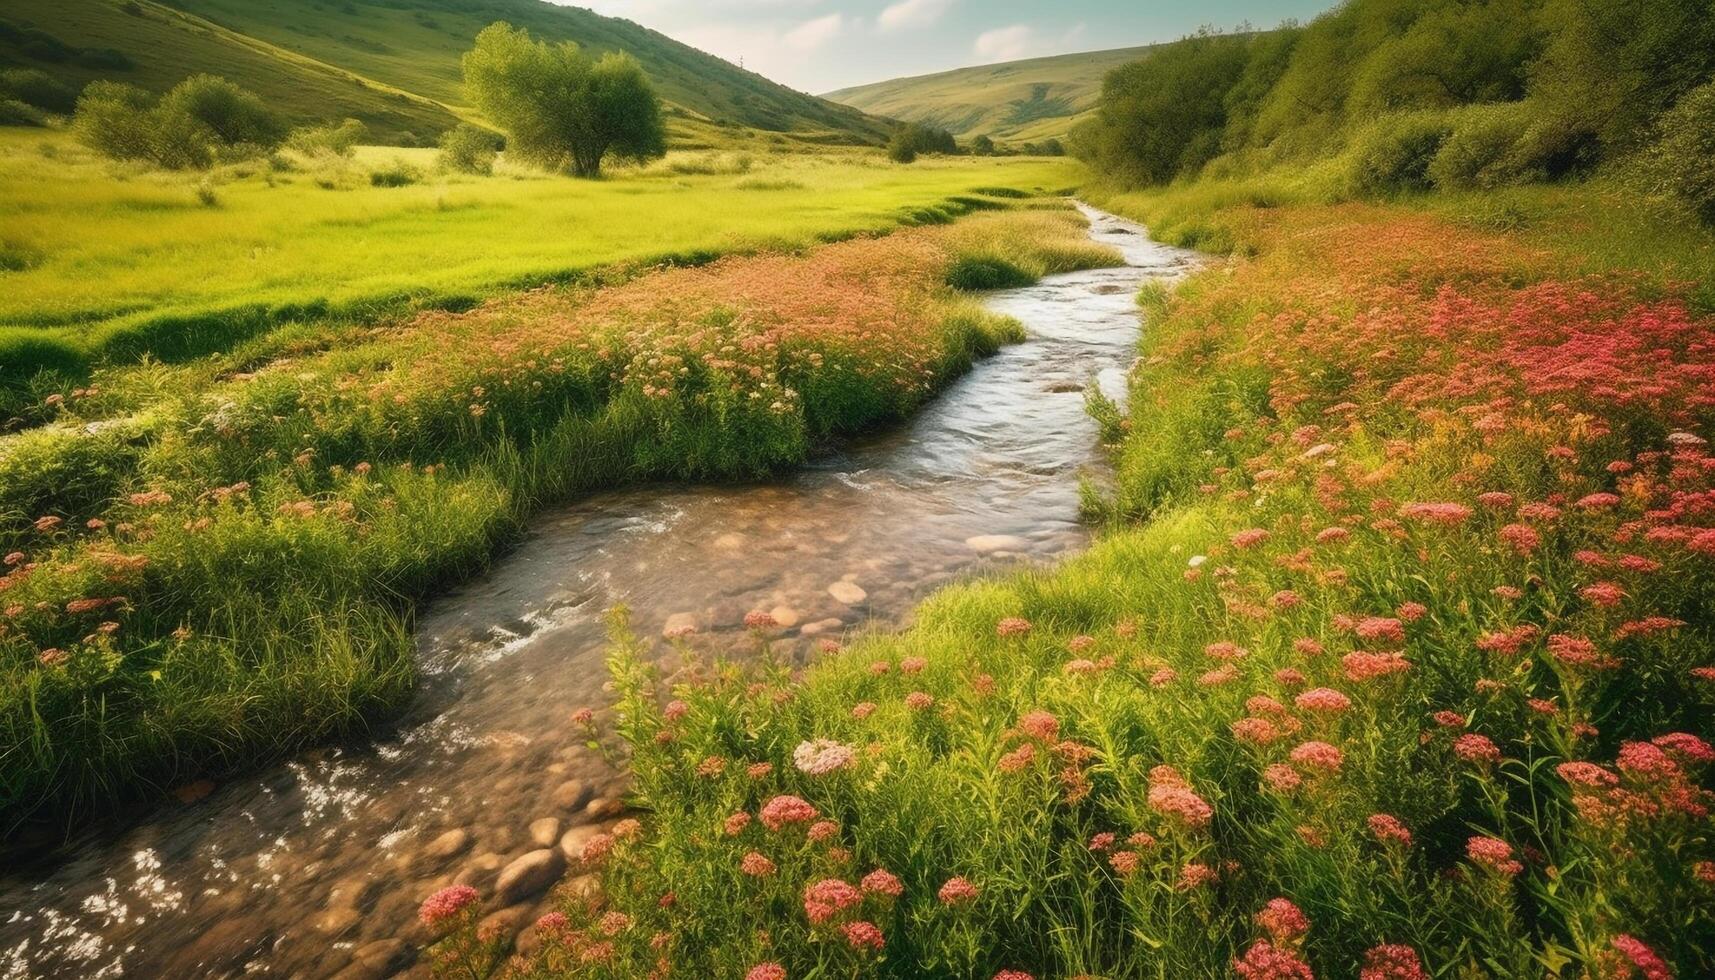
(819,45)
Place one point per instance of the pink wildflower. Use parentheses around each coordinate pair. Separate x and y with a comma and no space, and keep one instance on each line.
(756,865)
(1323,699)
(1264,961)
(445,904)
(783,810)
(1392,962)
(956,891)
(1318,755)
(864,936)
(1283,921)
(1388,829)
(766,971)
(1494,854)
(881,882)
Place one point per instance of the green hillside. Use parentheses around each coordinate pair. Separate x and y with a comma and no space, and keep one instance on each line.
(392,63)
(416,44)
(1017,100)
(156,47)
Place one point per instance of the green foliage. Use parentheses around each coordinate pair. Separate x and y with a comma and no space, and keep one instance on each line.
(468,149)
(1680,164)
(398,173)
(16,113)
(915,139)
(982,146)
(200,118)
(561,109)
(1394,153)
(977,272)
(233,117)
(329,140)
(37,89)
(113,120)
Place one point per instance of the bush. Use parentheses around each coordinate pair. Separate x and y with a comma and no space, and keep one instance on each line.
(113,119)
(329,140)
(396,174)
(38,89)
(915,139)
(976,272)
(1680,164)
(901,151)
(468,149)
(235,117)
(1507,143)
(1393,153)
(16,113)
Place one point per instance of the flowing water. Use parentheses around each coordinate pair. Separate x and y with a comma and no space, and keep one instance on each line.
(315,867)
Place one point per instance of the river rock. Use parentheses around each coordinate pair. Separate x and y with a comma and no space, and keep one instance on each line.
(603,807)
(447,846)
(784,616)
(573,841)
(354,893)
(821,626)
(573,794)
(378,960)
(529,876)
(480,870)
(849,593)
(545,831)
(996,542)
(337,922)
(583,886)
(679,622)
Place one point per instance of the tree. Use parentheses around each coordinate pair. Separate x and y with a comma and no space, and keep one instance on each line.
(185,129)
(560,109)
(112,119)
(982,146)
(468,149)
(233,116)
(916,138)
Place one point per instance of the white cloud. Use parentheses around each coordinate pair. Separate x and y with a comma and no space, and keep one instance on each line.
(813,34)
(913,13)
(1023,41)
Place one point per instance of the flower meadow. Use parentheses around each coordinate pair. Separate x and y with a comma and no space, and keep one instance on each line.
(215,561)
(1394,661)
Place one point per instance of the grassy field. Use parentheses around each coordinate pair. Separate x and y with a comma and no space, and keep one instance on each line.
(1017,101)
(120,261)
(1394,660)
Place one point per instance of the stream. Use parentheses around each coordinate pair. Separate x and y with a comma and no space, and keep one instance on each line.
(315,867)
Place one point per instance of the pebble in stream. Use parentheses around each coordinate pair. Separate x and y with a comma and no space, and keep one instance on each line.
(316,867)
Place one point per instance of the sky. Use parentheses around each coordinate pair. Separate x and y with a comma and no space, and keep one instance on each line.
(820,45)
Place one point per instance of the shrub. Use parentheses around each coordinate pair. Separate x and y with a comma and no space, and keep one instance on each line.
(235,117)
(396,174)
(113,119)
(901,151)
(1507,143)
(986,272)
(328,140)
(468,149)
(1393,153)
(1680,165)
(38,89)
(915,139)
(16,113)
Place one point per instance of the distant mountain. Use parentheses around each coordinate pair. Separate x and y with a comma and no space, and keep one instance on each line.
(392,63)
(1013,101)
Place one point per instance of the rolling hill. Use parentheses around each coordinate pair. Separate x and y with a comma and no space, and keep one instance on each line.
(1013,101)
(392,63)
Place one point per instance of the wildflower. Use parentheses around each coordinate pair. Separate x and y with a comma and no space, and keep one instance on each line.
(957,891)
(1283,921)
(1522,538)
(827,898)
(1318,755)
(1602,594)
(1220,675)
(583,717)
(1012,626)
(863,936)
(1642,957)
(759,620)
(47,524)
(711,767)
(1124,863)
(1685,747)
(1388,829)
(735,824)
(822,756)
(1642,760)
(1102,842)
(766,971)
(1288,677)
(1307,646)
(1167,675)
(1477,748)
(596,849)
(627,829)
(1018,759)
(783,810)
(1286,599)
(1264,961)
(1436,513)
(756,865)
(445,904)
(1195,875)
(879,668)
(1494,854)
(1225,651)
(1080,666)
(1323,699)
(1392,962)
(52,657)
(675,710)
(1381,630)
(1495,500)
(1362,666)
(1040,725)
(919,701)
(912,665)
(1411,612)
(614,923)
(1255,731)
(881,882)
(1598,501)
(822,830)
(1249,538)
(1013,975)
(1332,535)
(1180,803)
(759,770)
(1282,779)
(552,922)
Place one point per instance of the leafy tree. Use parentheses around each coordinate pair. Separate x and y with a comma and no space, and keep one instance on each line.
(233,116)
(916,138)
(36,88)
(201,116)
(982,146)
(560,109)
(469,149)
(113,119)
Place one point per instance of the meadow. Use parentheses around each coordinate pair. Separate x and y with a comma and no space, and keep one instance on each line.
(107,262)
(1393,660)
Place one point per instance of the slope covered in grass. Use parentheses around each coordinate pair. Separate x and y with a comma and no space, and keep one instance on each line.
(161,46)
(1035,99)
(1395,661)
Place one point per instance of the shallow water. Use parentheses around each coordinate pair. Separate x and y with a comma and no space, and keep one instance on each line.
(315,867)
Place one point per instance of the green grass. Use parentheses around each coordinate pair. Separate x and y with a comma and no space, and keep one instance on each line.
(126,261)
(1016,101)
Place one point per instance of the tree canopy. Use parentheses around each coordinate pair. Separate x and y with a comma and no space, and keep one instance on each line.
(561,109)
